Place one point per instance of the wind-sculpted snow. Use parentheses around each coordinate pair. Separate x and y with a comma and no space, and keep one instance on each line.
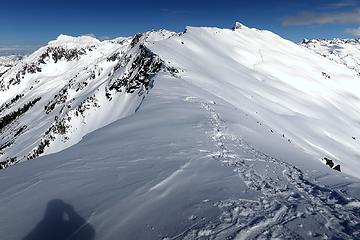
(289,201)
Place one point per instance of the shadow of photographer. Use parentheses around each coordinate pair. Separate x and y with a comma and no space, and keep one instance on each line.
(61,222)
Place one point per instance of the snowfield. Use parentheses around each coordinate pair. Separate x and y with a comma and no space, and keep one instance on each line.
(207,134)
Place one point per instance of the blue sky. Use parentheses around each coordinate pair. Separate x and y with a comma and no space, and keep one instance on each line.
(28,24)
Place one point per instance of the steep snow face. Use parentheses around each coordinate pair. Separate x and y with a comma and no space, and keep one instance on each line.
(310,101)
(346,52)
(70,87)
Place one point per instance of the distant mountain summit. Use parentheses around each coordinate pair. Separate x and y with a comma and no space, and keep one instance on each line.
(343,51)
(6,62)
(74,85)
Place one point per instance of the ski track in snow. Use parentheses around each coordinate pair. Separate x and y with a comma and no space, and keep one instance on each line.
(288,198)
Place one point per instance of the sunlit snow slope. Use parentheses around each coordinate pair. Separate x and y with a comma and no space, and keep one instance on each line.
(311,101)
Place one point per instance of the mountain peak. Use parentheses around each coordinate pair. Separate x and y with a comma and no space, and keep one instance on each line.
(73,42)
(239,25)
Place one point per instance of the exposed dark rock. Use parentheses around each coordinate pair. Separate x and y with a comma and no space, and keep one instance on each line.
(6,145)
(114,57)
(20,130)
(7,119)
(325,75)
(59,127)
(60,53)
(2,73)
(40,149)
(329,162)
(11,102)
(27,68)
(143,64)
(136,40)
(337,168)
(8,162)
(59,98)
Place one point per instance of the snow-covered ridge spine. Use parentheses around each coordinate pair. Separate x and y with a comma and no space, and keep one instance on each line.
(121,78)
(51,53)
(140,64)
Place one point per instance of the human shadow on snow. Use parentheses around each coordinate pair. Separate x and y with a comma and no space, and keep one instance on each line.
(61,222)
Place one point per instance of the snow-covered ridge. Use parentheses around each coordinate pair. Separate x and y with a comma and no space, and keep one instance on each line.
(80,84)
(230,134)
(74,42)
(85,84)
(308,100)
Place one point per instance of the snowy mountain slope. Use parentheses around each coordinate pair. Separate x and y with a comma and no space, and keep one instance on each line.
(187,174)
(312,102)
(69,88)
(81,80)
(343,51)
(6,62)
(226,144)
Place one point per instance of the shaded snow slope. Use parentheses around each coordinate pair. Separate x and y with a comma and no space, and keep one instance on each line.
(312,102)
(179,169)
(71,87)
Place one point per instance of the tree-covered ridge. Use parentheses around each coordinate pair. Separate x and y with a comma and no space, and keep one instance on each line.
(9,118)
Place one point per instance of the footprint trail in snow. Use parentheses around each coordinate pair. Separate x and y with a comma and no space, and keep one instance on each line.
(289,205)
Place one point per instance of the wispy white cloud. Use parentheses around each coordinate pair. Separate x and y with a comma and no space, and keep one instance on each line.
(90,35)
(7,49)
(104,38)
(309,18)
(16,49)
(353,31)
(101,38)
(342,4)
